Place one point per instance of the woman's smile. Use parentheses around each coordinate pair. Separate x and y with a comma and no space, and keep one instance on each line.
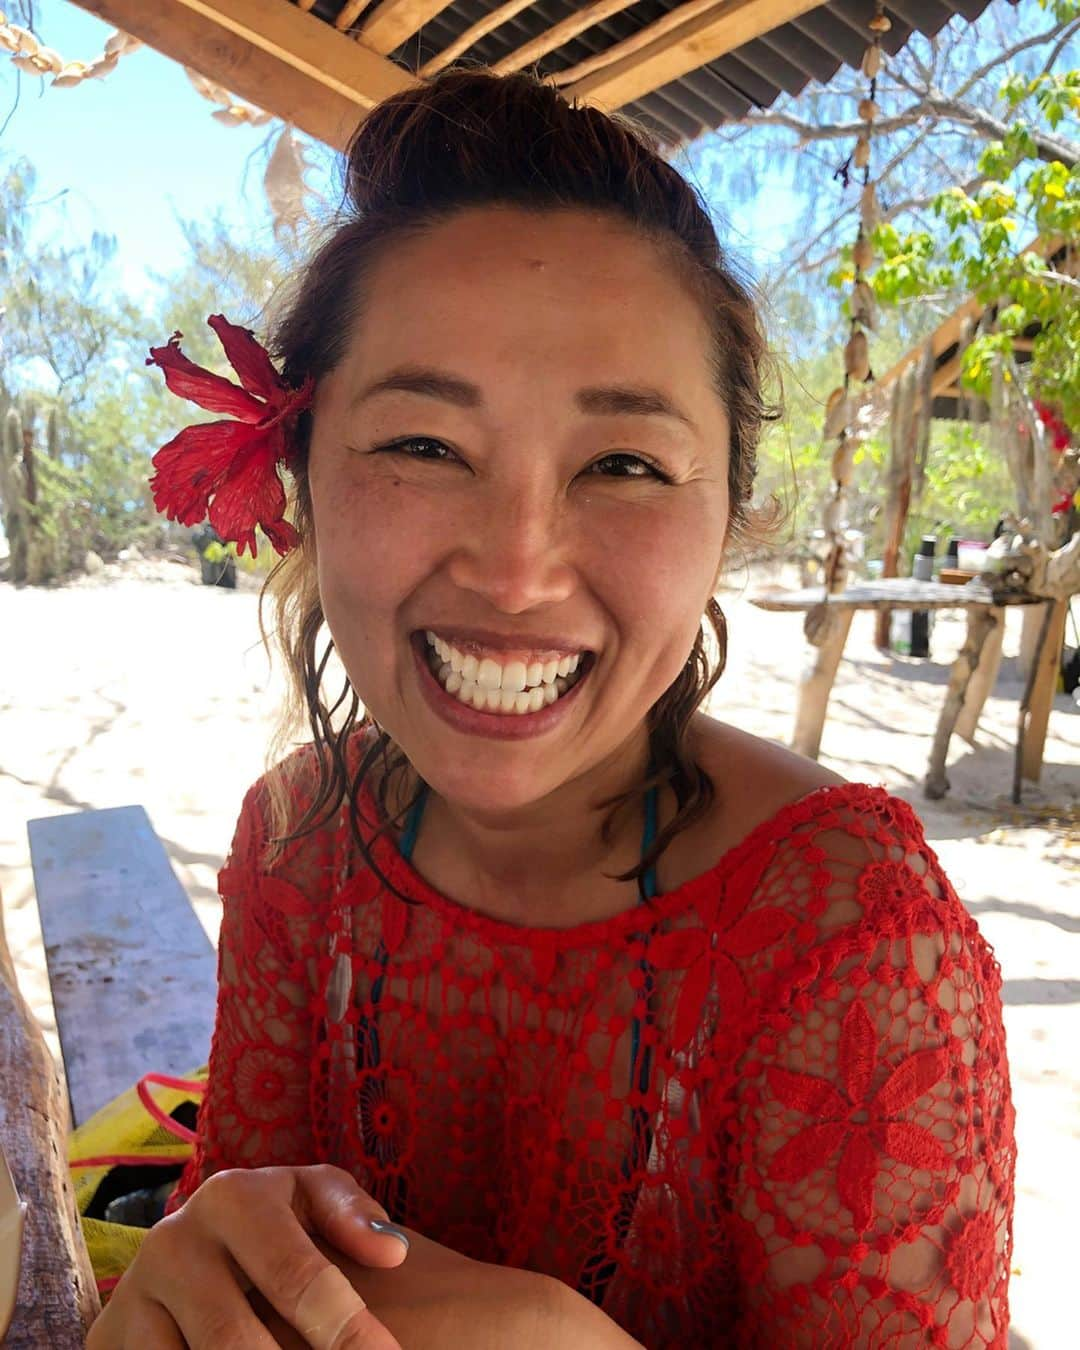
(474,700)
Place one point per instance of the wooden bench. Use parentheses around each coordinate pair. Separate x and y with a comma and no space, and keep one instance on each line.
(133,979)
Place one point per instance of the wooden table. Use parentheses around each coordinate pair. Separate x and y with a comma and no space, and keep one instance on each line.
(970,680)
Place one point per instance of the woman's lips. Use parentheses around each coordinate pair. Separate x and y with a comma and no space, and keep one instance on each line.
(494,725)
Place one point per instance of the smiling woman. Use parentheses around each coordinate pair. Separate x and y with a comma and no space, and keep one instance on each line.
(647,1030)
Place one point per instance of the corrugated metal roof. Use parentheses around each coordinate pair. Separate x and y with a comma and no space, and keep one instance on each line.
(782,61)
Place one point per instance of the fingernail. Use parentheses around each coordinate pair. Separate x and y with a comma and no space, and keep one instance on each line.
(391,1229)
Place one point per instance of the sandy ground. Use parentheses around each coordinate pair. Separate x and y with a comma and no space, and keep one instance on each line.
(142,686)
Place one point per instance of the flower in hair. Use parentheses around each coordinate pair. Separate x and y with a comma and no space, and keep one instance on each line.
(228,470)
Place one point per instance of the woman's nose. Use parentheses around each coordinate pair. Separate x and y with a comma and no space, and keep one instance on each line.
(515,554)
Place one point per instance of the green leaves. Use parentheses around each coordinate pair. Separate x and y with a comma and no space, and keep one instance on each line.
(986,238)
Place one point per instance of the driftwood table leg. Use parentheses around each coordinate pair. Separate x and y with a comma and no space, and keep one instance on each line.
(817,679)
(981,685)
(981,624)
(1046,669)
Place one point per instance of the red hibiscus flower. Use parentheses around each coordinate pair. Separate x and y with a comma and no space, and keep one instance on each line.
(858,1141)
(228,469)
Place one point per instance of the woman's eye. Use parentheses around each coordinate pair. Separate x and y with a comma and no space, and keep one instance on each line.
(407,442)
(636,466)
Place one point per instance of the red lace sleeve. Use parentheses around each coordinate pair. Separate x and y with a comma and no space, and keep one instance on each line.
(256,1110)
(871,1129)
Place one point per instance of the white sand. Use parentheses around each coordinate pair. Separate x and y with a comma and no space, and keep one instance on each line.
(143,686)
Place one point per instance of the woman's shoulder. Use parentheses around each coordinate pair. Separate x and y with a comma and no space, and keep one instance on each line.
(754,780)
(837,852)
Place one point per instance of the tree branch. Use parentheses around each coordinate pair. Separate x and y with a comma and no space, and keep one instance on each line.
(988,127)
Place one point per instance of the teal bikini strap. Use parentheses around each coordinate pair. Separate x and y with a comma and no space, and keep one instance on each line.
(648,881)
(648,838)
(412,824)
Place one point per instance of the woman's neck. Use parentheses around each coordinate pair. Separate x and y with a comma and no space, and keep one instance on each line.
(544,865)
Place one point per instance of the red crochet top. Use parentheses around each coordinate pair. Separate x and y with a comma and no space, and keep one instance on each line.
(818,1150)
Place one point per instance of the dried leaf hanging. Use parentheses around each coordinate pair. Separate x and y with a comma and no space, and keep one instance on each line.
(843,461)
(863,305)
(284,184)
(836,414)
(868,207)
(857,356)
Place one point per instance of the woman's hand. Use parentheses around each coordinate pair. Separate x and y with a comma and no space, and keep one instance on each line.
(254,1230)
(441,1300)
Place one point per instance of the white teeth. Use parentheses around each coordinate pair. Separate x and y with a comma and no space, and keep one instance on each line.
(489,675)
(514,688)
(513,676)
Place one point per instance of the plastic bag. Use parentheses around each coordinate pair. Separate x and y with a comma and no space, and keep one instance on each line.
(132,1149)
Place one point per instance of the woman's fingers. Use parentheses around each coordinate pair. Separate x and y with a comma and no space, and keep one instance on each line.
(151,1326)
(343,1214)
(264,1228)
(197,1288)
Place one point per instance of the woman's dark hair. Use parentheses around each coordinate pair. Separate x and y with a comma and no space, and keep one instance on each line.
(469,139)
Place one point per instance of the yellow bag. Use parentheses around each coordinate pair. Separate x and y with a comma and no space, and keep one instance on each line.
(123,1148)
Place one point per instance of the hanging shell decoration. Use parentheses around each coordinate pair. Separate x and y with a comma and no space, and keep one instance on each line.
(30,55)
(844,420)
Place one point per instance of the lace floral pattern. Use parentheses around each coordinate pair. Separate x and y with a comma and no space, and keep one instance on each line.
(822,1154)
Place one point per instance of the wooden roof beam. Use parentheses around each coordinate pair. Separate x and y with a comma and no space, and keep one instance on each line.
(277,57)
(636,69)
(395,21)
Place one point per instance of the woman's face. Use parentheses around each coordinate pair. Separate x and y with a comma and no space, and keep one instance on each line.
(543,473)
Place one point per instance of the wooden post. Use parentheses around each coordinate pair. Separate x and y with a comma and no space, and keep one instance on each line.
(816,682)
(924,411)
(901,460)
(981,684)
(980,625)
(57,1297)
(1043,688)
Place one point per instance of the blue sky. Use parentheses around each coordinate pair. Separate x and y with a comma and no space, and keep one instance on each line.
(126,154)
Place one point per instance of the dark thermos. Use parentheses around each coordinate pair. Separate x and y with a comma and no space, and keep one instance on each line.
(922,569)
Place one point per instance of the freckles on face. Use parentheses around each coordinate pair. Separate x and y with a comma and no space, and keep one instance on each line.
(522,511)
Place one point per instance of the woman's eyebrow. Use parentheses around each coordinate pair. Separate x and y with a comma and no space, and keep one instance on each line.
(615,400)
